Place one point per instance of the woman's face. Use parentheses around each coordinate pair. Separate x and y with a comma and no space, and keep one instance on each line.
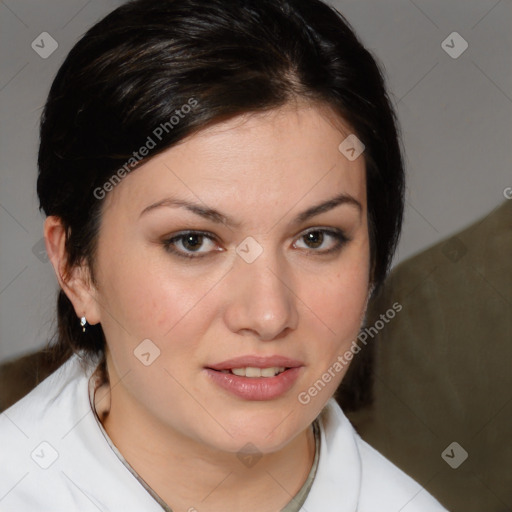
(231,246)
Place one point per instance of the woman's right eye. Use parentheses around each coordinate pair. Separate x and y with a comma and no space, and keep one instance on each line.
(188,244)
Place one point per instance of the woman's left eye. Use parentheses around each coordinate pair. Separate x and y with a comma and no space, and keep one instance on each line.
(190,243)
(317,239)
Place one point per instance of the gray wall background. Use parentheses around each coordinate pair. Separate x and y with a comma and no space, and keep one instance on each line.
(455,113)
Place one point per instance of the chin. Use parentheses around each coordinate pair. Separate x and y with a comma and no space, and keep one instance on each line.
(267,431)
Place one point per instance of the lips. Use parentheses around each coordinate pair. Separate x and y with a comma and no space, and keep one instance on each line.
(254,377)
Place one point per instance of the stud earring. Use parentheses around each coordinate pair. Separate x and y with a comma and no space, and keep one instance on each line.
(83,321)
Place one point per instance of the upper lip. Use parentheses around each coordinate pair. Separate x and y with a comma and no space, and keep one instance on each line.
(256,362)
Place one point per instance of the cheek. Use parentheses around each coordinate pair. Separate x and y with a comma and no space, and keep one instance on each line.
(144,301)
(337,307)
(148,294)
(340,298)
(147,305)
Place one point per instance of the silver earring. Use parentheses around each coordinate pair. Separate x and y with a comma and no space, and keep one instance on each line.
(83,321)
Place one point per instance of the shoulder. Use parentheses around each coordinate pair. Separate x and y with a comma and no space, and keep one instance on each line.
(32,413)
(54,456)
(35,410)
(380,484)
(380,477)
(33,433)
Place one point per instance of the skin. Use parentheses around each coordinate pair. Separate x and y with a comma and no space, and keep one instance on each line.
(262,171)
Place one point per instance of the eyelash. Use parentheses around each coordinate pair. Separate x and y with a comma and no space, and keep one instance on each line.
(338,235)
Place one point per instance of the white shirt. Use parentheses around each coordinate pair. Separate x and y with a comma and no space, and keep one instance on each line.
(55,458)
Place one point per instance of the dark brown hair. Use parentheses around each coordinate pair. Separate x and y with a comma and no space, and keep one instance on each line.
(135,68)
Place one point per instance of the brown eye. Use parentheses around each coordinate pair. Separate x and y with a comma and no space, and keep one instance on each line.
(188,244)
(192,242)
(314,239)
(324,241)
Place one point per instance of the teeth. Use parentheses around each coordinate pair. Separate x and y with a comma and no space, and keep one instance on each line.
(271,372)
(258,372)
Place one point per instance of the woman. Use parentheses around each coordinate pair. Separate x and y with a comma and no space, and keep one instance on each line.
(223,187)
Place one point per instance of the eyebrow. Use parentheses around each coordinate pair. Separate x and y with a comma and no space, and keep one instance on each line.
(219,218)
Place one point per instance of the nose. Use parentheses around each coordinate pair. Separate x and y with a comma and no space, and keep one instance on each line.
(261,299)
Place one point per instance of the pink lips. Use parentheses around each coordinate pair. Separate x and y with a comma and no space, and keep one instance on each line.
(257,388)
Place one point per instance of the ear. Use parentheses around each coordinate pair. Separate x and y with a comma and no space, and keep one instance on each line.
(76,284)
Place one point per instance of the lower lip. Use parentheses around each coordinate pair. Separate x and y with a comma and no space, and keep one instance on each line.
(255,388)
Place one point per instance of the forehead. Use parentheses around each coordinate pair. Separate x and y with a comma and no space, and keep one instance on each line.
(263,160)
